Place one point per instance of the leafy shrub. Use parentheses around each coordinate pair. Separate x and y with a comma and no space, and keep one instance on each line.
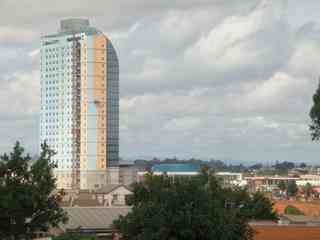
(292,210)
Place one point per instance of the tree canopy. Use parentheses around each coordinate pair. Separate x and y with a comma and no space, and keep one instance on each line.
(260,207)
(284,166)
(292,188)
(308,190)
(315,115)
(27,201)
(282,186)
(189,208)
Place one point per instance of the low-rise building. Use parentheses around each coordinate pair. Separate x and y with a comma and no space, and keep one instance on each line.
(231,179)
(314,180)
(171,170)
(189,170)
(113,195)
(267,183)
(109,195)
(95,221)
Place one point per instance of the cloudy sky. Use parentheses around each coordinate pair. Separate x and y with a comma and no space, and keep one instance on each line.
(198,78)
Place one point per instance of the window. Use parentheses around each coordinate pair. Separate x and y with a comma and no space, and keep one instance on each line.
(115,197)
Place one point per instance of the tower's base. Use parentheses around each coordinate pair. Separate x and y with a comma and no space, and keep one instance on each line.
(86,179)
(93,179)
(63,179)
(113,175)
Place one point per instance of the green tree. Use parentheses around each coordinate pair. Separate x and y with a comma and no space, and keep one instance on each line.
(282,186)
(261,208)
(27,201)
(186,208)
(315,115)
(254,207)
(303,165)
(307,189)
(292,188)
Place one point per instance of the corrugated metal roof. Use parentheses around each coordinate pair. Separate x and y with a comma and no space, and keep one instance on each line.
(110,187)
(93,217)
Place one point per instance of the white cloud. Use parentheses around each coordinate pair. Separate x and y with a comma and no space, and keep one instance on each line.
(19,94)
(182,124)
(239,42)
(275,93)
(18,35)
(120,35)
(305,60)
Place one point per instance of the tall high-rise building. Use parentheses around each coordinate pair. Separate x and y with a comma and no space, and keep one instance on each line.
(79,116)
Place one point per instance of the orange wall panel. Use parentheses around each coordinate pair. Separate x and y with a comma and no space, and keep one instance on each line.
(99,84)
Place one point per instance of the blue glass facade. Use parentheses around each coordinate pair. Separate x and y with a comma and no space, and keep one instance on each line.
(112,106)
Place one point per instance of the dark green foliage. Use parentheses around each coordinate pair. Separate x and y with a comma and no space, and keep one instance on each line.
(254,207)
(260,207)
(284,166)
(257,166)
(308,190)
(292,188)
(315,116)
(282,186)
(74,236)
(186,208)
(279,168)
(303,165)
(27,204)
(292,210)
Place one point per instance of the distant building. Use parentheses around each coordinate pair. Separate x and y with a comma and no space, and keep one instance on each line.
(231,179)
(127,173)
(172,170)
(175,167)
(314,180)
(267,183)
(79,116)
